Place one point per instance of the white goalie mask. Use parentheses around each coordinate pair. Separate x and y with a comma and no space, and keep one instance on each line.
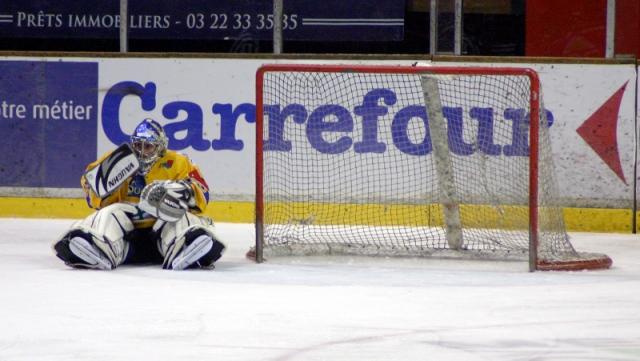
(149,143)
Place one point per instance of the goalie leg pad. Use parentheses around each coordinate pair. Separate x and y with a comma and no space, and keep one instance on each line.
(75,250)
(89,253)
(190,242)
(98,240)
(193,250)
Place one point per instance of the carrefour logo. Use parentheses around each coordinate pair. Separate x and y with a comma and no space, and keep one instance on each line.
(318,123)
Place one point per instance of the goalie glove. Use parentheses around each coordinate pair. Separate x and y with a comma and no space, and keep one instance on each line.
(107,177)
(167,200)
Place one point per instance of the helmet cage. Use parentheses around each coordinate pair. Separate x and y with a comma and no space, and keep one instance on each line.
(149,143)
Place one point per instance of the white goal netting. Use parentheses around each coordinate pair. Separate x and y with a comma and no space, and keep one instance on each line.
(378,162)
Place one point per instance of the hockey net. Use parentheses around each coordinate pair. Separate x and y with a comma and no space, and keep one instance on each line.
(408,161)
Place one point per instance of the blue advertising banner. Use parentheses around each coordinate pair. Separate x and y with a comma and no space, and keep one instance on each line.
(48,122)
(328,20)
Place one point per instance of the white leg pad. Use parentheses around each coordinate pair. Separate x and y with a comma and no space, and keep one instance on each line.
(103,233)
(192,253)
(89,253)
(178,250)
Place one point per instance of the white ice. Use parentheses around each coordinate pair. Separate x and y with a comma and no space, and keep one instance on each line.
(314,308)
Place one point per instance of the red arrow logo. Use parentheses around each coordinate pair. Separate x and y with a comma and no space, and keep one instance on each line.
(600,132)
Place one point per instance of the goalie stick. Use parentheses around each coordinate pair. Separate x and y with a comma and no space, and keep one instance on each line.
(114,170)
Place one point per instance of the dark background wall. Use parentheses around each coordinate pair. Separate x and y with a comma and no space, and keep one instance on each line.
(570,28)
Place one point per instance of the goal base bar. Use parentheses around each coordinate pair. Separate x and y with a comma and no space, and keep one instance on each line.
(586,261)
(571,262)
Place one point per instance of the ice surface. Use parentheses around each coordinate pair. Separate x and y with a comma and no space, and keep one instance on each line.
(342,308)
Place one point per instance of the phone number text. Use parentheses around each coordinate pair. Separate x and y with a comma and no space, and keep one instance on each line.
(237,21)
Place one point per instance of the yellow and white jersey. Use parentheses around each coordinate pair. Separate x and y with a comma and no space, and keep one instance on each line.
(171,166)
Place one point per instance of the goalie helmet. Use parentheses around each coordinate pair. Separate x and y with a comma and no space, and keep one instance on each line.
(149,143)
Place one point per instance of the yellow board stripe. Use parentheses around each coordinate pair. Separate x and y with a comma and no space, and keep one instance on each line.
(474,216)
(576,219)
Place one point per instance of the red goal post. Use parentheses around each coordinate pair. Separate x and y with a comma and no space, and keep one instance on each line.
(459,131)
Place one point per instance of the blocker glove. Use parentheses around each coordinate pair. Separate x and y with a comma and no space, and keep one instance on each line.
(167,200)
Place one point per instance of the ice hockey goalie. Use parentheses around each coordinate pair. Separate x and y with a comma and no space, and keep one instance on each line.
(148,201)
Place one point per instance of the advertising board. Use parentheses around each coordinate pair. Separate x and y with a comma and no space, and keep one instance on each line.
(208,109)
